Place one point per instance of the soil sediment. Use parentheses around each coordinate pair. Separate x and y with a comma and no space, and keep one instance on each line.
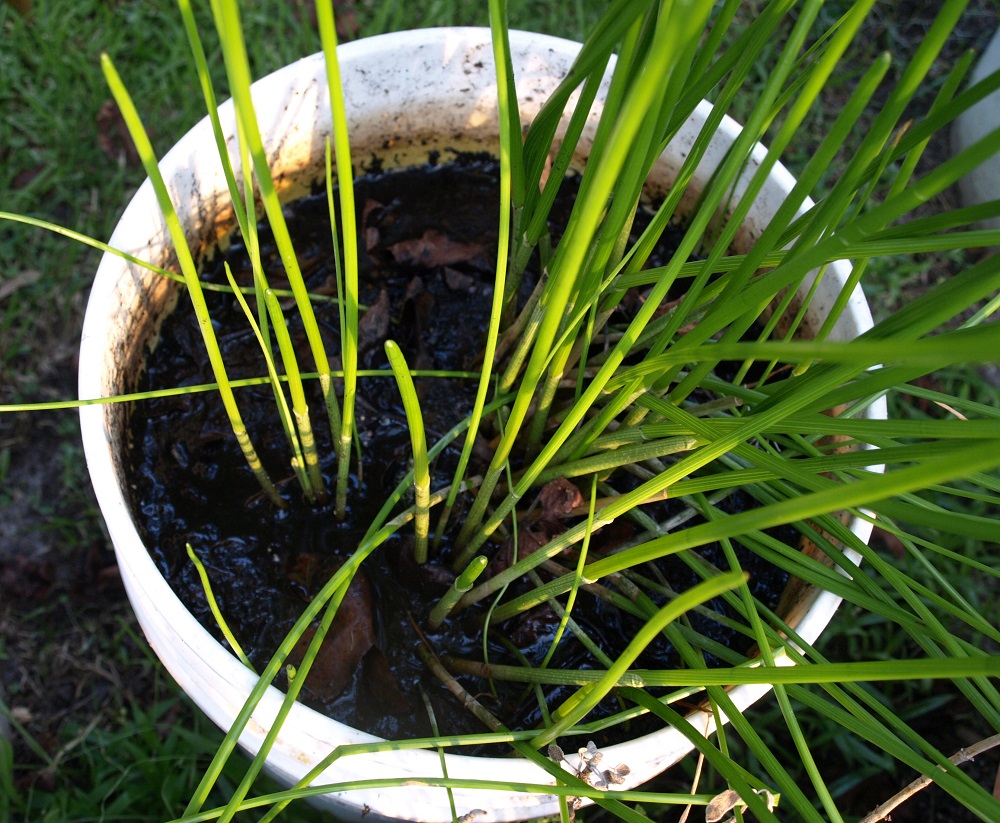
(428,242)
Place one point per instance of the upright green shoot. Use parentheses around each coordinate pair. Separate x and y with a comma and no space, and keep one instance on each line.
(511,197)
(421,465)
(568,266)
(298,462)
(461,585)
(349,324)
(300,407)
(213,604)
(229,27)
(138,133)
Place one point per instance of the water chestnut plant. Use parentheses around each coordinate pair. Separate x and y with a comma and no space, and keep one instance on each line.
(623,386)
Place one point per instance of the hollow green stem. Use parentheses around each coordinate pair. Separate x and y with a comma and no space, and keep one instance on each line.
(227,20)
(186,261)
(349,316)
(461,585)
(284,413)
(421,466)
(624,456)
(466,700)
(213,604)
(300,408)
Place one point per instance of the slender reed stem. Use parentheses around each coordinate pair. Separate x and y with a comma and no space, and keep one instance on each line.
(466,700)
(964,755)
(349,325)
(213,604)
(145,149)
(300,408)
(421,466)
(284,413)
(511,193)
(461,585)
(227,19)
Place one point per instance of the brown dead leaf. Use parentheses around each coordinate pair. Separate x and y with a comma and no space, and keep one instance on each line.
(610,537)
(433,577)
(305,572)
(927,381)
(345,16)
(527,542)
(434,249)
(890,542)
(345,645)
(42,780)
(23,7)
(372,233)
(373,325)
(533,626)
(113,136)
(28,578)
(457,281)
(417,306)
(558,498)
(347,21)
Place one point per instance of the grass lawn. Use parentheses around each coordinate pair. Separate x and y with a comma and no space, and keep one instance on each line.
(98,731)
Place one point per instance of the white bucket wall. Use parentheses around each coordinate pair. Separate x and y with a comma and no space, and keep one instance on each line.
(407,94)
(983,183)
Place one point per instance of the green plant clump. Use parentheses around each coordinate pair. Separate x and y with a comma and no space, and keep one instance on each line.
(636,410)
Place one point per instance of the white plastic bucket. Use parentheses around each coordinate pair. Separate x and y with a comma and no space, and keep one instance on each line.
(407,94)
